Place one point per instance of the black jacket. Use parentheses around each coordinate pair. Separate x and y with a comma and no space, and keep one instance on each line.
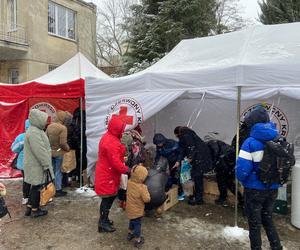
(74,137)
(192,147)
(156,182)
(223,156)
(244,134)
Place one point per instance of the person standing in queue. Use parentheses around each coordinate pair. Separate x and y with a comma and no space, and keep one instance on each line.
(259,197)
(57,133)
(18,147)
(37,160)
(109,167)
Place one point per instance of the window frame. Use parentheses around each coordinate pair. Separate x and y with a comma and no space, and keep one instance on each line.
(12,26)
(52,67)
(67,11)
(10,75)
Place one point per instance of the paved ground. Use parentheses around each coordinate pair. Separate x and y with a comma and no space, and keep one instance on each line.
(72,224)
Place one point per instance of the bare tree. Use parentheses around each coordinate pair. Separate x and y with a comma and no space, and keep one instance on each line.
(228,15)
(111,31)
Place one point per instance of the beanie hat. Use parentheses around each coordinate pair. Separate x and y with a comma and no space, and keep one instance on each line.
(258,115)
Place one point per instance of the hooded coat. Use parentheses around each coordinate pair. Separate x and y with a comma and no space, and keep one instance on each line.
(37,151)
(192,147)
(137,193)
(258,115)
(18,147)
(169,149)
(251,154)
(58,133)
(110,164)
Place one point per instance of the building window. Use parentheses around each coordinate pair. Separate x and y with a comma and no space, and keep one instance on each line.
(52,67)
(13,76)
(12,14)
(61,21)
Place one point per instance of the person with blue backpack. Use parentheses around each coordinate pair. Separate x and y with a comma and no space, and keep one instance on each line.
(259,197)
(18,148)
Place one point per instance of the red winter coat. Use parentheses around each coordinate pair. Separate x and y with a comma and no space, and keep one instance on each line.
(110,164)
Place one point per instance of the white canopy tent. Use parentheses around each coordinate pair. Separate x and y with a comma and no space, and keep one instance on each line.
(75,68)
(264,60)
(65,82)
(198,82)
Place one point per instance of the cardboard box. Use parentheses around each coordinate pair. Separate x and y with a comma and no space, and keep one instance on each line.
(188,188)
(172,198)
(211,187)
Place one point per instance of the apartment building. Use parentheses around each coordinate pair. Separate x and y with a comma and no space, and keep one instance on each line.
(36,36)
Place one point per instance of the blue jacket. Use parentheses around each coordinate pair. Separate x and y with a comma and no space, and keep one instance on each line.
(169,150)
(18,146)
(251,154)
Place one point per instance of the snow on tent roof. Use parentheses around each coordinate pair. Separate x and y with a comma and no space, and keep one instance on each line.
(260,56)
(66,81)
(75,68)
(259,45)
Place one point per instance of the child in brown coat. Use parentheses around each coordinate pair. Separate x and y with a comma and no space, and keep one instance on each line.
(137,196)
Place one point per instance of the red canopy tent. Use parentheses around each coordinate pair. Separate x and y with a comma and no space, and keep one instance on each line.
(60,89)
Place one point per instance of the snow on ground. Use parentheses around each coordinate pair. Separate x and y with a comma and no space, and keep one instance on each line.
(72,224)
(202,230)
(85,191)
(235,233)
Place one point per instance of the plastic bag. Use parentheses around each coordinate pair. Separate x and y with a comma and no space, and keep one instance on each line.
(69,162)
(124,181)
(185,172)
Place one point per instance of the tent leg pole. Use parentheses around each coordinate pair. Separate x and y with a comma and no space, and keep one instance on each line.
(155,124)
(238,114)
(81,140)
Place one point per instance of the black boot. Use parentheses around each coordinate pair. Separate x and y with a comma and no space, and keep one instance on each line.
(38,213)
(194,202)
(220,201)
(109,221)
(105,225)
(240,200)
(28,211)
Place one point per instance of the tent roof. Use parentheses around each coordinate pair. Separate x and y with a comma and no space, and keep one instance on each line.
(260,56)
(75,68)
(66,81)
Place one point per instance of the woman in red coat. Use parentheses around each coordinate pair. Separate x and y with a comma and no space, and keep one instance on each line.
(109,167)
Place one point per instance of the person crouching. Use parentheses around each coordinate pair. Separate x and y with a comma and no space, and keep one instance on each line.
(137,196)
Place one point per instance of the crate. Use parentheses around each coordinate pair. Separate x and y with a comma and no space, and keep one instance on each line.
(171,198)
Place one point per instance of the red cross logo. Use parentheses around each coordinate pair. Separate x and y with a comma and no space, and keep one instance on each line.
(128,119)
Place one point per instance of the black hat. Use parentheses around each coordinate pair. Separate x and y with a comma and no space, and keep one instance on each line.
(258,115)
(159,139)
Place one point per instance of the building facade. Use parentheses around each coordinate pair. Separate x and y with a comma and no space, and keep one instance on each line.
(38,36)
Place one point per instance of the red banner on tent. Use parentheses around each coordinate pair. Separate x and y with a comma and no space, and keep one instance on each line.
(73,89)
(51,105)
(12,116)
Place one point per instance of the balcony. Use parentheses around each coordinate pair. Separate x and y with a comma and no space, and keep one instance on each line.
(13,42)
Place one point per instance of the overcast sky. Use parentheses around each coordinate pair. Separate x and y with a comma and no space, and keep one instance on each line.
(251,7)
